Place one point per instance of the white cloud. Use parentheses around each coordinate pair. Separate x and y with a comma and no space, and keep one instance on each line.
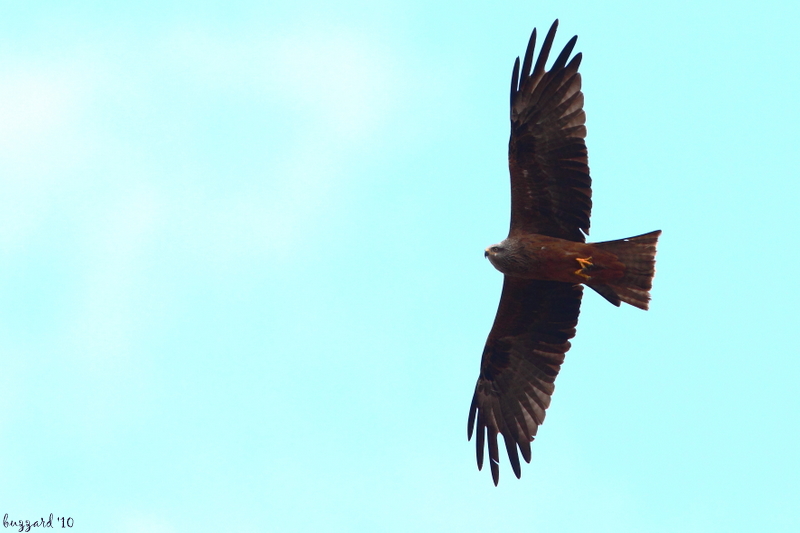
(39,145)
(35,101)
(338,82)
(338,78)
(57,153)
(339,88)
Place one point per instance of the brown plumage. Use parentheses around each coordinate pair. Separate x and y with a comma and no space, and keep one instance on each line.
(545,258)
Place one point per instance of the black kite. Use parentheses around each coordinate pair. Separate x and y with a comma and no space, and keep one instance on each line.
(545,258)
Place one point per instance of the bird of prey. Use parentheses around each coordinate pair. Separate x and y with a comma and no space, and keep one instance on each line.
(545,259)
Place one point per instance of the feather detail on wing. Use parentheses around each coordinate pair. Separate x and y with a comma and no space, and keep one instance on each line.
(550,183)
(522,357)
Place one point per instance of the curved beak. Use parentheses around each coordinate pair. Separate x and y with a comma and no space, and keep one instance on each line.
(486,253)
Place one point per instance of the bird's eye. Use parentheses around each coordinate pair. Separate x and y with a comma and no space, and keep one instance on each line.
(495,249)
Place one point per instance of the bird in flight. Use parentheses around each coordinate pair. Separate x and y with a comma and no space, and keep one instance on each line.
(545,259)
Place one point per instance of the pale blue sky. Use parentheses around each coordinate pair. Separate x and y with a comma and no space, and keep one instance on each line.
(242,283)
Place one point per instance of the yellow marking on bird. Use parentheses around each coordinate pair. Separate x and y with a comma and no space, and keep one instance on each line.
(584,263)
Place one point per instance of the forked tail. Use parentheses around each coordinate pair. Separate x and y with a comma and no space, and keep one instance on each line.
(638,254)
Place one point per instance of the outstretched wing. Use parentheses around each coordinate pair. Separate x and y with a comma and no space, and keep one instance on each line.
(522,357)
(550,184)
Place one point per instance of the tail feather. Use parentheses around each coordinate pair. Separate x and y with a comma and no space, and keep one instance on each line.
(638,254)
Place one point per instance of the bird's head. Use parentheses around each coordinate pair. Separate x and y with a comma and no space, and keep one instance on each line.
(493,251)
(502,255)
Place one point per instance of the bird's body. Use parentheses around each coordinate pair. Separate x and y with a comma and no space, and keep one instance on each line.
(621,268)
(534,256)
(545,259)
